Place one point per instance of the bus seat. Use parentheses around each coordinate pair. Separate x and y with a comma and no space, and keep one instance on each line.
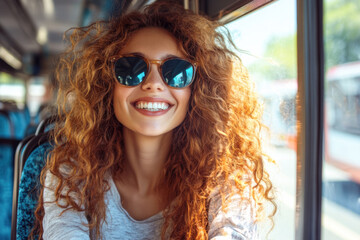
(19,152)
(46,125)
(31,129)
(19,122)
(29,189)
(6,126)
(20,119)
(29,160)
(27,114)
(43,126)
(6,173)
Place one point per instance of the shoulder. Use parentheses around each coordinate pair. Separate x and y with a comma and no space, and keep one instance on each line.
(231,213)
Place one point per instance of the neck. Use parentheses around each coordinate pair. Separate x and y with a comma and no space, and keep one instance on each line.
(145,158)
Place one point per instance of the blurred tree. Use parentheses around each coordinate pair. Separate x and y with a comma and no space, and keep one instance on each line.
(341,31)
(279,61)
(341,38)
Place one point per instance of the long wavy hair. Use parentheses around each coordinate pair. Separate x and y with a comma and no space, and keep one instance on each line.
(218,140)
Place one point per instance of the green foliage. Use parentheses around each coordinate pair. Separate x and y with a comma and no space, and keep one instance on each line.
(341,39)
(341,31)
(8,79)
(279,61)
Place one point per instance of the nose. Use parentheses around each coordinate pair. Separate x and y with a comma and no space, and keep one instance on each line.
(153,81)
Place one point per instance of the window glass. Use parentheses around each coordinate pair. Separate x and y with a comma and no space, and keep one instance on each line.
(341,166)
(36,94)
(266,39)
(12,90)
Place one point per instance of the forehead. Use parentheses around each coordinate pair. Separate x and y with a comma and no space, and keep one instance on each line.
(152,42)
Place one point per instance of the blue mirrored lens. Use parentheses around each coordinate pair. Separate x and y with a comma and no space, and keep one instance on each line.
(178,73)
(130,71)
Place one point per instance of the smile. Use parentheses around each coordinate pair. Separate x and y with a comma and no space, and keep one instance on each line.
(152,106)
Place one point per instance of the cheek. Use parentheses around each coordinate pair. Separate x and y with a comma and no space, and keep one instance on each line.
(121,93)
(117,97)
(119,100)
(183,97)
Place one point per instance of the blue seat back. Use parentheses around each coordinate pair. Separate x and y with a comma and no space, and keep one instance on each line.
(20,122)
(29,190)
(6,130)
(6,175)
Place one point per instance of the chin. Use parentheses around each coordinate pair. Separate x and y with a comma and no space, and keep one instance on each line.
(152,132)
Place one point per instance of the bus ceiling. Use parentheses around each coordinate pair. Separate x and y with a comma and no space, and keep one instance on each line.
(31,31)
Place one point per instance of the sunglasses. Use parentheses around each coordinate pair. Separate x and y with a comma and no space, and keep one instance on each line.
(131,70)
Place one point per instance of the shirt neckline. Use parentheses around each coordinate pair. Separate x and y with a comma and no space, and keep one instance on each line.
(117,197)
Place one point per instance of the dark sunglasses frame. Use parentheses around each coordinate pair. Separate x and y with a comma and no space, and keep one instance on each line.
(148,62)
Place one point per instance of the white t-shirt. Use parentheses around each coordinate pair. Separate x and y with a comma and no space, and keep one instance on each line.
(237,223)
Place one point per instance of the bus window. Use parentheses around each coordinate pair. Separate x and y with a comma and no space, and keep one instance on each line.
(341,165)
(12,90)
(266,39)
(40,94)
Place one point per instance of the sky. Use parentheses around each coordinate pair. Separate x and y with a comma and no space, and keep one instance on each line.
(253,31)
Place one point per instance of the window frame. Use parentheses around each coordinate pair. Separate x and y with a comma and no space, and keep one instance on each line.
(310,117)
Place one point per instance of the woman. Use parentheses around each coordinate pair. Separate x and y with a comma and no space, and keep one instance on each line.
(159,136)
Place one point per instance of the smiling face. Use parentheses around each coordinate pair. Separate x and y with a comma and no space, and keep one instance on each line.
(151,108)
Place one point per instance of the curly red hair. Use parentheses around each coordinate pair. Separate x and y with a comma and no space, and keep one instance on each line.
(219,138)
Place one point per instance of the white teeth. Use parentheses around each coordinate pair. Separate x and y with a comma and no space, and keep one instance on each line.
(152,106)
